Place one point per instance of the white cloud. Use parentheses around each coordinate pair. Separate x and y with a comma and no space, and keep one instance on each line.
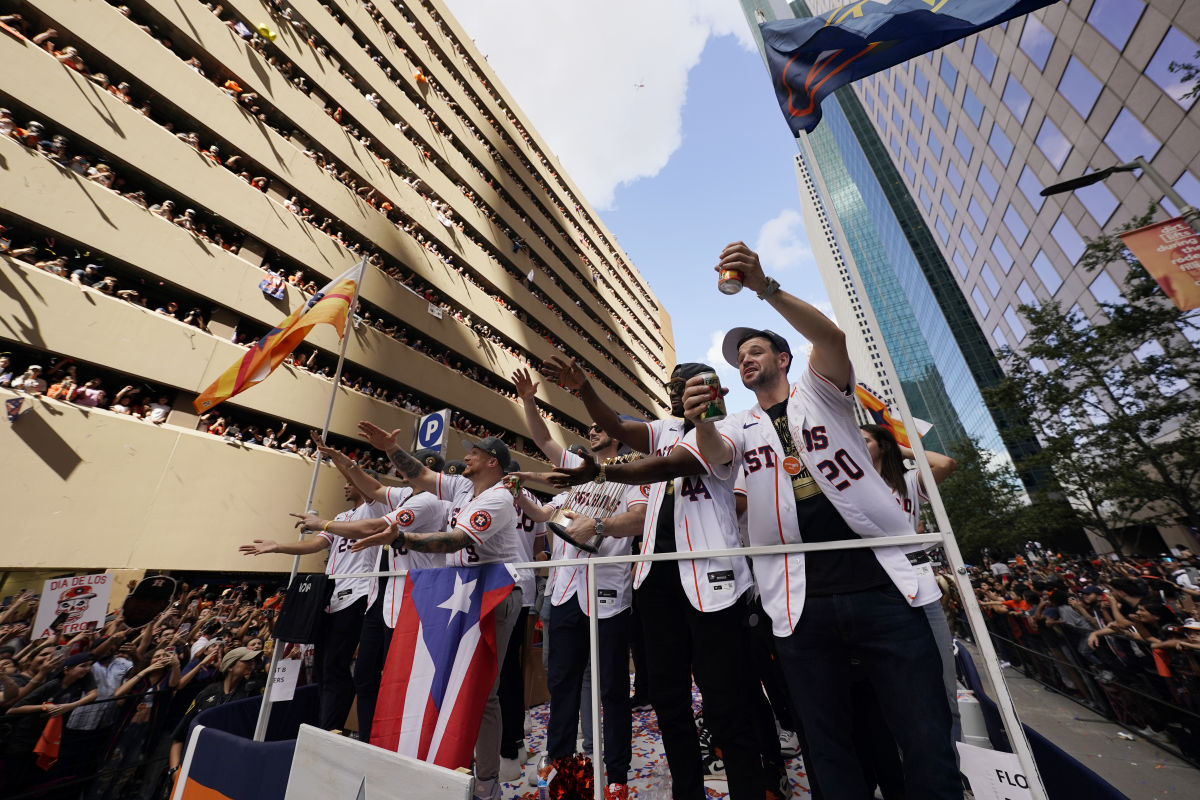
(714,358)
(603,83)
(782,244)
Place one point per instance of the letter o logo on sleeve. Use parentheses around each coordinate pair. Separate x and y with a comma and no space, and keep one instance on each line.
(480,520)
(645,487)
(405,517)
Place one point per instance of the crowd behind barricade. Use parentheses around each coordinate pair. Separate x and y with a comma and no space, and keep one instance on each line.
(95,167)
(123,696)
(1118,634)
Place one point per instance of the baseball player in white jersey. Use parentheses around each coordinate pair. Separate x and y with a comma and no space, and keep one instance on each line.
(809,478)
(692,514)
(341,627)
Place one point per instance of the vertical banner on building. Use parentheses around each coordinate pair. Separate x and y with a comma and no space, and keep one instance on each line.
(82,598)
(431,432)
(1170,252)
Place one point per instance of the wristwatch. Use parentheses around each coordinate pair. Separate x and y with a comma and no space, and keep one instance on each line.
(599,527)
(771,288)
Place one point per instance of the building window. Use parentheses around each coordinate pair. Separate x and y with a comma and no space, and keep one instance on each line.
(1099,200)
(1080,87)
(999,338)
(1001,254)
(910,173)
(973,106)
(935,144)
(926,200)
(1187,186)
(913,146)
(989,278)
(978,216)
(1016,226)
(1046,272)
(968,241)
(943,231)
(930,174)
(898,87)
(1053,144)
(1175,46)
(984,60)
(980,302)
(920,81)
(1030,187)
(918,119)
(894,143)
(868,100)
(948,73)
(1116,19)
(897,119)
(1016,98)
(988,183)
(1036,41)
(963,145)
(1105,290)
(880,119)
(947,204)
(1129,138)
(1014,322)
(961,264)
(1068,239)
(941,112)
(1026,295)
(956,180)
(1000,144)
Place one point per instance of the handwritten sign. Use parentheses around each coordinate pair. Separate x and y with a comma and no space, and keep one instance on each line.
(83,598)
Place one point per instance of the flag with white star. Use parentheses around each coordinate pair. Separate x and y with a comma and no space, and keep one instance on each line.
(442,663)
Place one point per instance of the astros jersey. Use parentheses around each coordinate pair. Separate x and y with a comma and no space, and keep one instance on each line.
(704,520)
(911,506)
(821,419)
(614,582)
(489,519)
(526,532)
(420,513)
(343,562)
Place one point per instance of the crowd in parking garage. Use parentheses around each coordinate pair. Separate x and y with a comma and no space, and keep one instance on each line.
(203,223)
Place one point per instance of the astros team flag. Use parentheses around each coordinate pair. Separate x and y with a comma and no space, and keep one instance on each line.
(442,663)
(331,305)
(809,58)
(880,415)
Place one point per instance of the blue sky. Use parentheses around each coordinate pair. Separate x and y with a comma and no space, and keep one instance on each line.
(664,116)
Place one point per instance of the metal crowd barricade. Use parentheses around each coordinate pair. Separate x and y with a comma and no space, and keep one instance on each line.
(1012,726)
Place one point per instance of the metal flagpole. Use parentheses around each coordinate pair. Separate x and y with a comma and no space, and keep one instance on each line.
(594,653)
(264,711)
(1012,725)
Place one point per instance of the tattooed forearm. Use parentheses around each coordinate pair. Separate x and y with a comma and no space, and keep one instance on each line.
(405,464)
(440,542)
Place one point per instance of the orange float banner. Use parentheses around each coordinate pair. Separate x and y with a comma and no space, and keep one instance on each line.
(1170,252)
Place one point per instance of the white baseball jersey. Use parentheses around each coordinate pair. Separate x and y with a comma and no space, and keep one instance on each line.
(614,582)
(705,519)
(911,506)
(489,519)
(343,562)
(527,531)
(831,447)
(421,513)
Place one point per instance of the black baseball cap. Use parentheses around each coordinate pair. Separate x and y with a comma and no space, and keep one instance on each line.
(733,340)
(454,467)
(493,447)
(579,450)
(431,458)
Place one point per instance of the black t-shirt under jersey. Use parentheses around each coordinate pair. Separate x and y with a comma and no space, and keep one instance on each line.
(832,571)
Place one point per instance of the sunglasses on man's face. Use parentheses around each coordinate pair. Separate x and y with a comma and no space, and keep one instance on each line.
(675,386)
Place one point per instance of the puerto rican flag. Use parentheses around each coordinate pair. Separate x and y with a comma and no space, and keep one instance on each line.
(442,664)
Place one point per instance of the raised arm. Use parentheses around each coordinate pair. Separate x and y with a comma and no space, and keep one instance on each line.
(371,488)
(417,474)
(942,465)
(829,356)
(262,546)
(569,375)
(526,390)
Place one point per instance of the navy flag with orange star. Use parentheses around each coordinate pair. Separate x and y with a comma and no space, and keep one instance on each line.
(809,58)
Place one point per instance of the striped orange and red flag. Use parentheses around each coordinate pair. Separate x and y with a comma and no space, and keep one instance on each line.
(878,411)
(331,305)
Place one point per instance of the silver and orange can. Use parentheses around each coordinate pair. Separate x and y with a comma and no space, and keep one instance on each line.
(729,281)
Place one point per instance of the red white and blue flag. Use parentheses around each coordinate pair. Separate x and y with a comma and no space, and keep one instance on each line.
(442,664)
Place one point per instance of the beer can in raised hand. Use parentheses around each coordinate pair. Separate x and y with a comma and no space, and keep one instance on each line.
(729,281)
(715,410)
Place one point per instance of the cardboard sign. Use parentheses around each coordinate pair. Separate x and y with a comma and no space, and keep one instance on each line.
(1170,252)
(993,775)
(83,598)
(283,682)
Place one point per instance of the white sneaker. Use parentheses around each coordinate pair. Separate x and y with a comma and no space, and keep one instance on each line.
(511,769)
(789,744)
(487,790)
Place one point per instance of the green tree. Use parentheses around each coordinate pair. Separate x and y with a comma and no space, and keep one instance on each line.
(1116,404)
(983,498)
(1191,74)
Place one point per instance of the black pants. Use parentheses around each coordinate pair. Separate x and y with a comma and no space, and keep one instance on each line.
(339,636)
(373,647)
(713,647)
(512,691)
(637,649)
(568,659)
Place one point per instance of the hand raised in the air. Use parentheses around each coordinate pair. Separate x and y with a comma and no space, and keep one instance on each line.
(377,437)
(567,374)
(737,255)
(525,385)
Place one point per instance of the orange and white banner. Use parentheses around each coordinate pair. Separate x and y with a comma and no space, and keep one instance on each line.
(1170,252)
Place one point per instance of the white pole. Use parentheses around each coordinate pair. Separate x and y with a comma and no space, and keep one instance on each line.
(264,711)
(594,654)
(1012,725)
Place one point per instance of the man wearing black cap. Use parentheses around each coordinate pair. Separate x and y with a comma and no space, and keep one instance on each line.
(809,478)
(708,594)
(482,531)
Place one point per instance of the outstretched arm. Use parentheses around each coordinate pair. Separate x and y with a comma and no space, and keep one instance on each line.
(526,390)
(440,542)
(569,375)
(829,356)
(370,488)
(652,469)
(417,474)
(261,546)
